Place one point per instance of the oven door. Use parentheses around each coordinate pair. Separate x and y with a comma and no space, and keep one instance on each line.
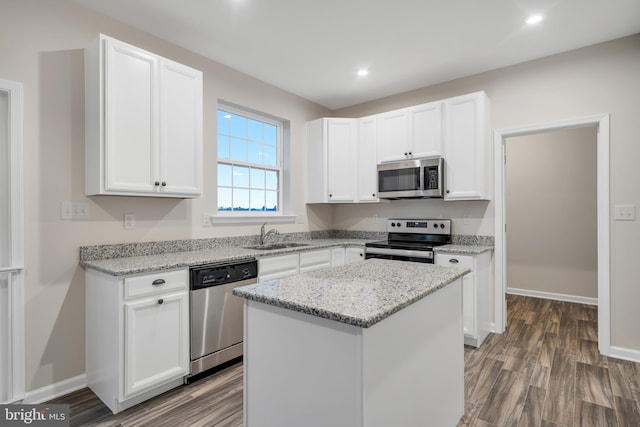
(399,254)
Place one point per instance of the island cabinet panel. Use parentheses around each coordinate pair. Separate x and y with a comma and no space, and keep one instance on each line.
(406,370)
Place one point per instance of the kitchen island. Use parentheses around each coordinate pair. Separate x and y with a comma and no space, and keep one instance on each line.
(371,344)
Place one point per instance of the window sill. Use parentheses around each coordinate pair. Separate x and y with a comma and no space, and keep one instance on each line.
(251,219)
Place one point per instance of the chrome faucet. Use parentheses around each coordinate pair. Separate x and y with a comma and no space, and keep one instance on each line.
(264,235)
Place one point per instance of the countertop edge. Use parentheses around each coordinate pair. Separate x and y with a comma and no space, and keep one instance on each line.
(346,319)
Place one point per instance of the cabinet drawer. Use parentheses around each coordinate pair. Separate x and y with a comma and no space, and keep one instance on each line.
(447,260)
(150,284)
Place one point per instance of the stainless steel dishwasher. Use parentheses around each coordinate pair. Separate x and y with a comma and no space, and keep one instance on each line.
(216,315)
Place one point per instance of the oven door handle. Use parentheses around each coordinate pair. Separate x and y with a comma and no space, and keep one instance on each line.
(399,252)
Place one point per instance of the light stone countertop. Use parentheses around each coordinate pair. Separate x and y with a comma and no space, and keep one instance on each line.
(360,294)
(462,249)
(174,260)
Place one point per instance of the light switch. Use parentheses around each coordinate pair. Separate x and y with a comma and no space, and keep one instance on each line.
(625,213)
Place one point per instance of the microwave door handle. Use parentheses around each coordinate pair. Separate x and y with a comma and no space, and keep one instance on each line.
(422,182)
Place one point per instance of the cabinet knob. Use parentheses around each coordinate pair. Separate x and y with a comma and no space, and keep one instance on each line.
(373,194)
(158,282)
(160,301)
(164,184)
(156,183)
(405,153)
(330,195)
(453,261)
(448,191)
(361,254)
(410,153)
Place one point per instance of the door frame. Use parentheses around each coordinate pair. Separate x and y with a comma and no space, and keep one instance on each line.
(15,271)
(601,122)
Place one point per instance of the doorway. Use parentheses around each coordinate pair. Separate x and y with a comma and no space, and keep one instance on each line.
(601,122)
(12,337)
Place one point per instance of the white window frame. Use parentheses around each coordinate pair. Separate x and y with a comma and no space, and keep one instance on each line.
(255,216)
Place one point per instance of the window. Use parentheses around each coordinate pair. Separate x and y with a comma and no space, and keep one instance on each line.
(249,163)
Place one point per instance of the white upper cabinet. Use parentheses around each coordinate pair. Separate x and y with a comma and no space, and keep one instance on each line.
(143,123)
(410,133)
(393,136)
(332,146)
(367,160)
(467,147)
(425,130)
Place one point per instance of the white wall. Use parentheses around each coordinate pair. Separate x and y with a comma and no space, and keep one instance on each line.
(551,211)
(42,46)
(592,80)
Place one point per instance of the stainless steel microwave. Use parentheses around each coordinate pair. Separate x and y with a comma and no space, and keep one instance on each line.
(411,179)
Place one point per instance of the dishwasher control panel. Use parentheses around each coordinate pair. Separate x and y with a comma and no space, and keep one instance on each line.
(219,274)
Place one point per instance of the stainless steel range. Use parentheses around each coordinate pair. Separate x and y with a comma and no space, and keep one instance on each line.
(411,240)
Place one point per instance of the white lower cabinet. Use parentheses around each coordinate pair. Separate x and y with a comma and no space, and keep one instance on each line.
(274,267)
(354,254)
(476,294)
(137,335)
(315,260)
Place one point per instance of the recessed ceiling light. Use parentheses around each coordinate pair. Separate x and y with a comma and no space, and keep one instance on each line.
(533,19)
(362,72)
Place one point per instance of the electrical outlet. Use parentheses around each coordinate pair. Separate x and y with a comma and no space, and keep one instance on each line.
(625,213)
(129,221)
(206,220)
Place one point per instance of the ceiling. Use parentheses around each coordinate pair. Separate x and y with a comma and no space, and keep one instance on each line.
(313,48)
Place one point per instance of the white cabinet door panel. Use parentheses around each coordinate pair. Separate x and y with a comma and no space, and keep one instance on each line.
(181,128)
(425,124)
(156,342)
(131,77)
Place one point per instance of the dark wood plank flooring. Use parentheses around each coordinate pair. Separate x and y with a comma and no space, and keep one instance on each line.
(544,371)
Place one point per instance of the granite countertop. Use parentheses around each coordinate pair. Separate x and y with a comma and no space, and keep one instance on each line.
(360,294)
(172,260)
(462,249)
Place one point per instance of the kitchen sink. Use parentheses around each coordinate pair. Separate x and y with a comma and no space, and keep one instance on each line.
(282,245)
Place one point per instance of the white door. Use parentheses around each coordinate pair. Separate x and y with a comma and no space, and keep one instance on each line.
(181,129)
(367,152)
(131,114)
(341,159)
(393,136)
(425,124)
(156,341)
(12,369)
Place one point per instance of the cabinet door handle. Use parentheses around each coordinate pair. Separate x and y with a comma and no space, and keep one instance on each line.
(164,184)
(453,261)
(330,195)
(410,153)
(158,282)
(405,153)
(361,254)
(448,191)
(156,183)
(373,194)
(160,301)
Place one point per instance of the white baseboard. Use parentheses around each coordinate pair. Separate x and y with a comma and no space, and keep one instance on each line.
(53,391)
(624,353)
(553,296)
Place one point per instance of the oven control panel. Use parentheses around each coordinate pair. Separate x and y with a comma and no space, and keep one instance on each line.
(419,226)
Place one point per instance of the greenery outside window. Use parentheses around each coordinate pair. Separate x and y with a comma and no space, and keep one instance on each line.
(249,163)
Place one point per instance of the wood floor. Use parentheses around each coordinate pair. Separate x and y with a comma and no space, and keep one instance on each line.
(544,371)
